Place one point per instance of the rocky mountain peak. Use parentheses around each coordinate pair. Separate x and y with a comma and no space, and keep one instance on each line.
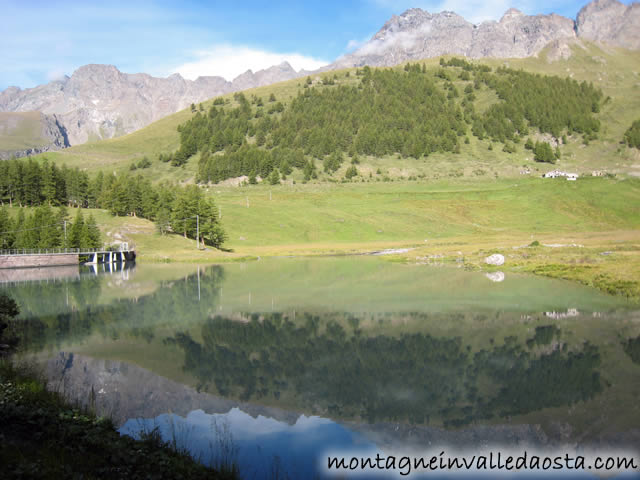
(610,22)
(95,69)
(100,101)
(597,5)
(510,14)
(418,34)
(415,20)
(284,66)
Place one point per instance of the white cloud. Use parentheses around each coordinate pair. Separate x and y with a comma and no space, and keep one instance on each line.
(56,73)
(355,44)
(229,61)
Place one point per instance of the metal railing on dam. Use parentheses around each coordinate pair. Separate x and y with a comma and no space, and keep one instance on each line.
(58,251)
(45,257)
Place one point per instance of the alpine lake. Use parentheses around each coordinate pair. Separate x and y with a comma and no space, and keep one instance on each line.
(274,364)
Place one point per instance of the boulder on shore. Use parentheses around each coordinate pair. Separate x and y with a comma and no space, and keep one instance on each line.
(495,259)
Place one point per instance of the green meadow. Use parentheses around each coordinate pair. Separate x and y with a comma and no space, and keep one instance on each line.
(449,207)
(586,229)
(20,131)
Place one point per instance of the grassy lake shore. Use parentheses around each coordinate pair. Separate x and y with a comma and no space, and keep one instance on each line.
(586,231)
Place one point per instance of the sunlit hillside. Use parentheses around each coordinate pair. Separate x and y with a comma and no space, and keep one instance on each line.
(614,71)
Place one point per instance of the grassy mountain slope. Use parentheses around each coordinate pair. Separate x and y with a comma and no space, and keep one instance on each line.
(615,71)
(21,130)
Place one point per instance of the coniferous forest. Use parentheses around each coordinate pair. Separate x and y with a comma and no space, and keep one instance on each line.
(44,185)
(413,112)
(47,227)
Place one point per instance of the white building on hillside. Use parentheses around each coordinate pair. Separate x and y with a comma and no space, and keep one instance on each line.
(559,173)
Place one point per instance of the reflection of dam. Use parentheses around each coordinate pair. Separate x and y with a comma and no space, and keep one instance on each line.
(67,273)
(39,274)
(116,267)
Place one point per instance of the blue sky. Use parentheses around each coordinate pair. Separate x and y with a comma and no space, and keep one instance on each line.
(43,40)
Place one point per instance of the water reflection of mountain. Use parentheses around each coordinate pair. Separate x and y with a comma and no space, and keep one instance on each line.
(140,400)
(127,391)
(446,366)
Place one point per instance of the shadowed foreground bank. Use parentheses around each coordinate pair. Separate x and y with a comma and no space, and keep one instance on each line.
(42,435)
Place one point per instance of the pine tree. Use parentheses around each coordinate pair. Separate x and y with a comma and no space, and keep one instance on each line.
(93,236)
(211,232)
(95,190)
(351,172)
(29,234)
(48,183)
(543,153)
(529,144)
(632,135)
(63,224)
(76,236)
(285,168)
(18,229)
(117,198)
(6,229)
(163,221)
(185,208)
(274,177)
(49,232)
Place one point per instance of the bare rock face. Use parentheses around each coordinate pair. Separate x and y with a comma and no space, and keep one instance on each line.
(274,74)
(99,101)
(417,34)
(517,35)
(610,22)
(414,34)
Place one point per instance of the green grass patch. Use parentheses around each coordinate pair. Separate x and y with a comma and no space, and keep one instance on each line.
(21,130)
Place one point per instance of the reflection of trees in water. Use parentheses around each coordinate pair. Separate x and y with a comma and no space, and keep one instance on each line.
(174,301)
(321,365)
(544,335)
(44,298)
(632,348)
(526,383)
